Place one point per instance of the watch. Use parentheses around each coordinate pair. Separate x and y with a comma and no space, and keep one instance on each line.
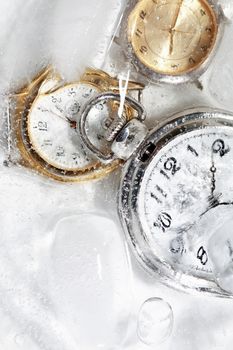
(43,123)
(176,184)
(171,41)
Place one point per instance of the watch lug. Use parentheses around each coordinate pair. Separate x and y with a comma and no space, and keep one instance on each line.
(49,85)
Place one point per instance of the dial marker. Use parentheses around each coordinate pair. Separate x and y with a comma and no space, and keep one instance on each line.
(164,174)
(191,149)
(178,34)
(156,198)
(160,190)
(52,135)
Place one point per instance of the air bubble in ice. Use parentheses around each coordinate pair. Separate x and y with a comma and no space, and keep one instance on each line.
(155,321)
(221,254)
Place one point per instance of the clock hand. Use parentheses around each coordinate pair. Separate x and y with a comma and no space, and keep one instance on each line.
(213,170)
(171,43)
(72,123)
(177,14)
(213,199)
(172,30)
(183,32)
(175,30)
(215,205)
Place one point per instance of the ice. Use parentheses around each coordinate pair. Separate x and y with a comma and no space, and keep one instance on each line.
(155,321)
(41,297)
(221,253)
(221,78)
(89,281)
(227,7)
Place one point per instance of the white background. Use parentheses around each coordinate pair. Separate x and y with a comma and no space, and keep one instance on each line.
(66,279)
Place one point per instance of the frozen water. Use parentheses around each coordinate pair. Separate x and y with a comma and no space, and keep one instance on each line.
(227,7)
(221,79)
(155,321)
(221,252)
(43,294)
(89,280)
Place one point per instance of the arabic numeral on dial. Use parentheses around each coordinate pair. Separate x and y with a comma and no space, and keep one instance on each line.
(143,15)
(56,100)
(204,48)
(71,92)
(203,13)
(164,221)
(143,49)
(208,29)
(100,106)
(42,126)
(192,60)
(220,147)
(171,165)
(75,157)
(202,255)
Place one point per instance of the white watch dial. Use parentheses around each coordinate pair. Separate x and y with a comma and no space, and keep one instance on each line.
(184,189)
(51,126)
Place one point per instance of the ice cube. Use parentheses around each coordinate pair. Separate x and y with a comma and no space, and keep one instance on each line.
(89,280)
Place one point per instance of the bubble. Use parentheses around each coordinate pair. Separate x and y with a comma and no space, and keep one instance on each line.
(155,321)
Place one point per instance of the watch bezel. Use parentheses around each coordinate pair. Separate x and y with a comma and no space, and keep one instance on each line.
(131,180)
(150,74)
(31,158)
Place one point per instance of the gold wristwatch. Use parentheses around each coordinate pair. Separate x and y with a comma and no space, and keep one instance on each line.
(43,120)
(171,41)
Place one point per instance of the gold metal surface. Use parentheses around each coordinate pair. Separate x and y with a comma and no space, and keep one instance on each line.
(24,101)
(172,36)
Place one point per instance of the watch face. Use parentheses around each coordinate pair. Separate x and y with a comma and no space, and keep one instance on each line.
(179,196)
(172,37)
(51,127)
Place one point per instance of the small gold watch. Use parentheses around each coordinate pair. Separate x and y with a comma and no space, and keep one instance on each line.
(43,120)
(171,41)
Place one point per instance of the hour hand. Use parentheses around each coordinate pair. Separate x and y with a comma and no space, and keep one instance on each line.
(213,199)
(213,170)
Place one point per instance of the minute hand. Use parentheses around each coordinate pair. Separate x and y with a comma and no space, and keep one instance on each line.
(71,122)
(214,199)
(176,15)
(172,30)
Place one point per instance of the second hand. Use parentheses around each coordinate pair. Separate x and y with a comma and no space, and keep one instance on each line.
(72,123)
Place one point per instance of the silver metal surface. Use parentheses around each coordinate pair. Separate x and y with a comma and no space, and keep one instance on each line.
(106,97)
(130,185)
(117,124)
(152,76)
(129,139)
